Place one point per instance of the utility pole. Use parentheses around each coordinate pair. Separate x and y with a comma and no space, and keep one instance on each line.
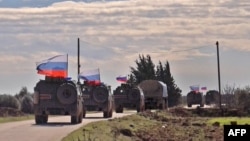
(218,62)
(78,60)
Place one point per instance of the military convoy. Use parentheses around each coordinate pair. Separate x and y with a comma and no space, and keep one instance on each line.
(128,96)
(97,96)
(194,97)
(155,93)
(57,96)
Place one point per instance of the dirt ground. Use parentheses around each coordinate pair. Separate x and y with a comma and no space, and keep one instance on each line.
(181,125)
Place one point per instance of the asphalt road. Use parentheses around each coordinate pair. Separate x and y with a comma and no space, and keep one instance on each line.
(56,128)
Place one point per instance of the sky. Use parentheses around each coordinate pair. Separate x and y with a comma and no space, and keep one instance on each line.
(113,33)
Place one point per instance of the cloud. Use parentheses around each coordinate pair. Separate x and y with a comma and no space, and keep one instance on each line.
(116,32)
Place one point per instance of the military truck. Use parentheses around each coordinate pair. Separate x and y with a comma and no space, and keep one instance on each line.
(57,96)
(212,97)
(194,97)
(97,96)
(128,96)
(155,93)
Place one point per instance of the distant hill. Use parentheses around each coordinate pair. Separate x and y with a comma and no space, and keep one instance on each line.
(40,3)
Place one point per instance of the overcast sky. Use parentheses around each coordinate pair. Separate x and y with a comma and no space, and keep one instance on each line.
(113,34)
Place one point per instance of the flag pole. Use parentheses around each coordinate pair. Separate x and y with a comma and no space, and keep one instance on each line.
(218,63)
(78,60)
(67,66)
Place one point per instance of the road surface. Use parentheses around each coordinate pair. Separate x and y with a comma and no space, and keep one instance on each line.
(57,128)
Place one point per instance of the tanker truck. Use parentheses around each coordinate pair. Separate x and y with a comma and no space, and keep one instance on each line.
(155,93)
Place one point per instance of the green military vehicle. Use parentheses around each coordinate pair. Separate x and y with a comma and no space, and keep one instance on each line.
(128,96)
(212,97)
(98,97)
(57,96)
(194,97)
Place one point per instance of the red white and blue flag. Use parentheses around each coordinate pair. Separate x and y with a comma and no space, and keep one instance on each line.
(122,79)
(195,88)
(90,75)
(56,66)
(204,88)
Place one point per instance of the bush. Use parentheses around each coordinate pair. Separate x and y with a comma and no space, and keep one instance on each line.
(27,104)
(9,101)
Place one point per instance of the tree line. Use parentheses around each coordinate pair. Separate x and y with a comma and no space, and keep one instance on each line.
(22,101)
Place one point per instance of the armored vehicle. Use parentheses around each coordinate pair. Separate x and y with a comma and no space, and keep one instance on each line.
(57,96)
(155,93)
(212,97)
(97,96)
(194,97)
(128,96)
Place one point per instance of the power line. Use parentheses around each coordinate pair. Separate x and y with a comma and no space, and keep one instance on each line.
(194,48)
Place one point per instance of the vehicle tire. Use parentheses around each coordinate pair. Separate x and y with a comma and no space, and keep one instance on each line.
(41,119)
(100,94)
(74,119)
(83,113)
(134,94)
(45,118)
(119,109)
(38,119)
(201,105)
(66,94)
(105,114)
(80,117)
(111,113)
(163,105)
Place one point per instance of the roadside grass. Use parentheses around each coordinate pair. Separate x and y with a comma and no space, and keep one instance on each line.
(159,125)
(114,129)
(19,118)
(228,120)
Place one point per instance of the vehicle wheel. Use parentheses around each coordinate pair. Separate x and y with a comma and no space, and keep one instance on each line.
(41,119)
(66,94)
(84,114)
(100,94)
(201,105)
(105,114)
(74,119)
(134,94)
(110,113)
(38,119)
(119,109)
(163,104)
(80,117)
(45,118)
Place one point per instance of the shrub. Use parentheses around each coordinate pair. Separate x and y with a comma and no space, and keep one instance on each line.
(9,101)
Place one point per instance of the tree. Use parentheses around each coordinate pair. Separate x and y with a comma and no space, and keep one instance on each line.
(174,93)
(9,101)
(27,104)
(145,70)
(23,92)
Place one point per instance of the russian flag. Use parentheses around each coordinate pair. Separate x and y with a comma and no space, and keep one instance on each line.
(195,88)
(90,75)
(56,66)
(122,79)
(204,88)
